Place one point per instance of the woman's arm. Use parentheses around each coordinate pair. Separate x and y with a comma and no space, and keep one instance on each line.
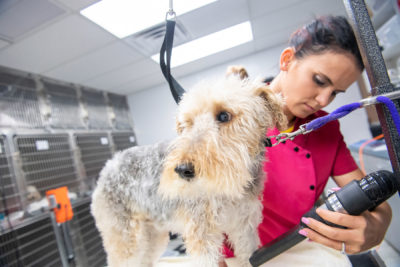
(363,232)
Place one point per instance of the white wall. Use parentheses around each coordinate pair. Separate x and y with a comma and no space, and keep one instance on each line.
(153,110)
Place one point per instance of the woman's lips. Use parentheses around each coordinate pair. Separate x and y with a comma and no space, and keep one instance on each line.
(310,108)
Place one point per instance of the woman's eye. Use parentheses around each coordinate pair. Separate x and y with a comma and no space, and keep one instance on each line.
(224,116)
(318,80)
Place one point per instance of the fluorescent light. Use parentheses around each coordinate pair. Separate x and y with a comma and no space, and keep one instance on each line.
(210,44)
(125,17)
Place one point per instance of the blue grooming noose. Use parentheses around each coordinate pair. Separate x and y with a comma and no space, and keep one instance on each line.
(339,113)
(392,109)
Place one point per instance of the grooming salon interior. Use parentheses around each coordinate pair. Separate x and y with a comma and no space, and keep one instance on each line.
(81,80)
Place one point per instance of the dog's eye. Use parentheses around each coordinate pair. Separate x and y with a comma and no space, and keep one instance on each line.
(224,116)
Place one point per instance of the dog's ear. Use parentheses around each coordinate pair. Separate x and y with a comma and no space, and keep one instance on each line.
(237,70)
(274,103)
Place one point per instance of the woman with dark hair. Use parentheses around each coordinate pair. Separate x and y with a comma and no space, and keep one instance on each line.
(322,60)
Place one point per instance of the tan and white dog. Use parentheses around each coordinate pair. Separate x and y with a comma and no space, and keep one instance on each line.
(206,182)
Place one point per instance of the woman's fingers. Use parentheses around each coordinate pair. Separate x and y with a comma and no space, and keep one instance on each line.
(353,235)
(324,230)
(316,237)
(348,221)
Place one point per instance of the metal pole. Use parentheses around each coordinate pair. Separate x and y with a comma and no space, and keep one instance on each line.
(60,243)
(377,75)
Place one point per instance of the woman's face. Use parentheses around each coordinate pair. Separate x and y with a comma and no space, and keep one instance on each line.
(312,82)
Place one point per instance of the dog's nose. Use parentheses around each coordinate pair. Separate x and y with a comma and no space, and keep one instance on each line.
(185,170)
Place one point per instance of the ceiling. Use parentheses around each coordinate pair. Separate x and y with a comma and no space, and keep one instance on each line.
(51,38)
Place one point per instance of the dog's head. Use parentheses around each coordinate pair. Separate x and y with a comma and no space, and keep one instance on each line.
(221,128)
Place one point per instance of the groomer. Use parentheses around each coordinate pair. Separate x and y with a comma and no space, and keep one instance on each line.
(322,60)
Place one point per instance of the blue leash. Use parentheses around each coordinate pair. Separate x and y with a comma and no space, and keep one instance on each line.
(336,114)
(339,113)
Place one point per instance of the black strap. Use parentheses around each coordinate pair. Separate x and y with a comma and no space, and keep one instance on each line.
(176,89)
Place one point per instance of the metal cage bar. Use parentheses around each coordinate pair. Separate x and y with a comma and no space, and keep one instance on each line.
(64,105)
(96,105)
(88,243)
(120,107)
(123,140)
(94,150)
(9,195)
(377,75)
(47,161)
(30,244)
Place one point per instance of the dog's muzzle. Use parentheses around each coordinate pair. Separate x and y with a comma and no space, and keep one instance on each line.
(185,171)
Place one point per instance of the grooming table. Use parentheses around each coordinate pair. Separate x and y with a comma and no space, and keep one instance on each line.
(304,254)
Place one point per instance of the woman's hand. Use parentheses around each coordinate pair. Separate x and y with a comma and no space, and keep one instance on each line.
(363,232)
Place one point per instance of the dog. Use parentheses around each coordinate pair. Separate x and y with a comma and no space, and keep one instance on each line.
(204,184)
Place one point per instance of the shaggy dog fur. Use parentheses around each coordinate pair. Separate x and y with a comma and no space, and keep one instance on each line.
(206,182)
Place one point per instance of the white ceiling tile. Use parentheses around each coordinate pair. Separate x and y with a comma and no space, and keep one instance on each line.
(3,44)
(265,7)
(95,63)
(7,4)
(216,16)
(25,16)
(125,74)
(60,42)
(77,4)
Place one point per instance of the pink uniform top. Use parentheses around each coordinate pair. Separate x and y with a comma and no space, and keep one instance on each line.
(297,172)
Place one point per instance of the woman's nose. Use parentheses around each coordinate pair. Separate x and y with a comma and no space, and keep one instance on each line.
(324,98)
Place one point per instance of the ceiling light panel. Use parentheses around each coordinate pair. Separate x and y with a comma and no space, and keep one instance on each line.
(125,17)
(210,44)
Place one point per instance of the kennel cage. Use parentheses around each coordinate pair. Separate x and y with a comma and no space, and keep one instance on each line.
(94,150)
(32,243)
(46,161)
(123,140)
(9,194)
(64,105)
(53,134)
(122,120)
(97,110)
(19,102)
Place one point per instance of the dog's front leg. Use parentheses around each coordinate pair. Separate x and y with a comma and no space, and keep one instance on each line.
(204,247)
(203,239)
(245,241)
(242,231)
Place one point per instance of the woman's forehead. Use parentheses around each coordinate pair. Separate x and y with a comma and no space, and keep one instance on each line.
(340,68)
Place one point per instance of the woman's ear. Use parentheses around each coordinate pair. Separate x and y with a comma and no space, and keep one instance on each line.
(286,57)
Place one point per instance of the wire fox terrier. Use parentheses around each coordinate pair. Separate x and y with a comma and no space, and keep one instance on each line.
(204,184)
